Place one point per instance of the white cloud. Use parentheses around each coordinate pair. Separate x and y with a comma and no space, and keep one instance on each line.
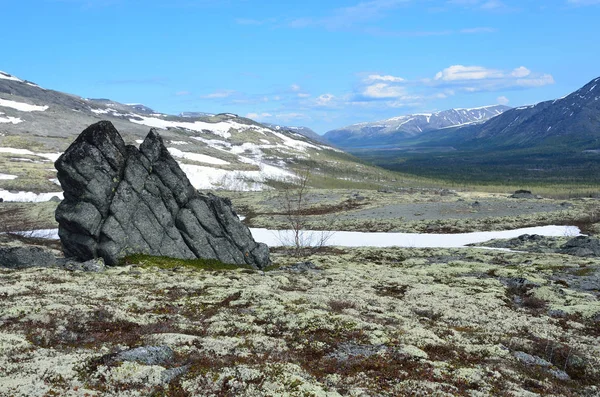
(383,90)
(479,78)
(182,93)
(291,116)
(502,100)
(303,95)
(460,72)
(521,71)
(325,99)
(258,116)
(540,81)
(478,30)
(219,94)
(295,87)
(377,77)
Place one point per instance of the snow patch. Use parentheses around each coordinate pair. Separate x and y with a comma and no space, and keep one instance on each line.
(23,107)
(416,240)
(360,239)
(202,177)
(221,129)
(202,158)
(7,177)
(49,156)
(8,119)
(6,76)
(28,197)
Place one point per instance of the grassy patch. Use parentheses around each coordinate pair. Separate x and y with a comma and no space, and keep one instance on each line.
(164,262)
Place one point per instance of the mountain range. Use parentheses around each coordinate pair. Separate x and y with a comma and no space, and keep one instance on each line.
(396,129)
(556,140)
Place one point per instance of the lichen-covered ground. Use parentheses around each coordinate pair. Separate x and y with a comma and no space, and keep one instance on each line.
(415,211)
(358,322)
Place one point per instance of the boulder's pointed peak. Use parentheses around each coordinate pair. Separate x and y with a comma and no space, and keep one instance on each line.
(153,145)
(99,129)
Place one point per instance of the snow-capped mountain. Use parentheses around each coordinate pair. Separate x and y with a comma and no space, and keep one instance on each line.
(572,121)
(216,151)
(395,129)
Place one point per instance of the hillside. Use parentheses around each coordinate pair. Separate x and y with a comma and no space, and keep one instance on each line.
(221,151)
(397,129)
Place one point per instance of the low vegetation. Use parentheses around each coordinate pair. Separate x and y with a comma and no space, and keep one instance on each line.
(357,322)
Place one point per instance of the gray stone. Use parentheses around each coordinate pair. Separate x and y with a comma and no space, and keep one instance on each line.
(559,374)
(531,360)
(93,265)
(300,267)
(148,355)
(24,257)
(121,200)
(582,246)
(169,374)
(350,350)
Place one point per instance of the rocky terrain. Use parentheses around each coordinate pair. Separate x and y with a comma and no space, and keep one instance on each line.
(418,321)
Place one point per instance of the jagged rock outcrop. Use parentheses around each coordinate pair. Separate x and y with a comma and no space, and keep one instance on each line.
(121,200)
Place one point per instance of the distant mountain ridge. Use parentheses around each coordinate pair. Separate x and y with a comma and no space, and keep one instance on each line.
(572,121)
(552,141)
(398,128)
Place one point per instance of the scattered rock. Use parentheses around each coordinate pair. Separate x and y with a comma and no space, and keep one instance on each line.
(121,200)
(148,355)
(347,351)
(581,246)
(169,374)
(55,199)
(557,313)
(300,267)
(24,257)
(357,197)
(448,192)
(559,374)
(518,283)
(93,265)
(476,204)
(524,194)
(566,205)
(532,360)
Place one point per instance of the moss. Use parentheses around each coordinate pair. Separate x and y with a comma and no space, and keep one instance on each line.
(164,262)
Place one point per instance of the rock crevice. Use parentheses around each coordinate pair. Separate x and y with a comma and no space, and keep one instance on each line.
(121,200)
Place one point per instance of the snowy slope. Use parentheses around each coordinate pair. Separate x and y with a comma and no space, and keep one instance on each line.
(221,151)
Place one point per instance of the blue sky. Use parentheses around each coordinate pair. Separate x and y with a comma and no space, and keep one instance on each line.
(322,64)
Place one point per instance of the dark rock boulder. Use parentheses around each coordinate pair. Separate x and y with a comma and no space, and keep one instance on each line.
(524,194)
(121,200)
(25,257)
(581,246)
